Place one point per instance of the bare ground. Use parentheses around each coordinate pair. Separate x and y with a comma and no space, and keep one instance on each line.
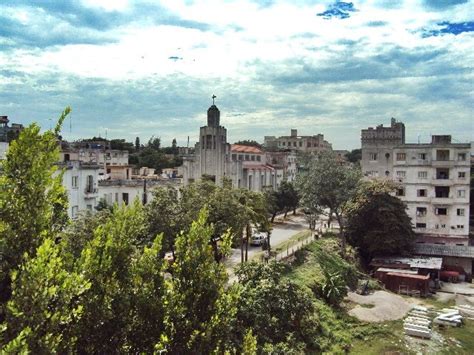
(386,306)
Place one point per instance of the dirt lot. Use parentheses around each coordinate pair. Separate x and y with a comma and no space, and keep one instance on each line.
(379,307)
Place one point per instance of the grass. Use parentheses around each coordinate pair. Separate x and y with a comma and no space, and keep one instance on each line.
(460,340)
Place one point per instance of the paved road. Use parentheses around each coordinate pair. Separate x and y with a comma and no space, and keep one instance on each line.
(280,233)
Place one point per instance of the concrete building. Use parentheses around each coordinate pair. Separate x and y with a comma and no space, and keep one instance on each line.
(213,157)
(433,178)
(3,150)
(7,133)
(305,144)
(81,182)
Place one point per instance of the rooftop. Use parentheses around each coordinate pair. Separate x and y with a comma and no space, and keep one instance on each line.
(420,262)
(461,251)
(237,148)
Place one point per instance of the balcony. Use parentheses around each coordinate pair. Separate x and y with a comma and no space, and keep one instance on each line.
(442,181)
(90,192)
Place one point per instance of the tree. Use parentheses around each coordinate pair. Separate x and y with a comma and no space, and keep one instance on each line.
(276,309)
(32,199)
(154,143)
(200,307)
(377,222)
(46,302)
(328,186)
(288,197)
(137,144)
(354,155)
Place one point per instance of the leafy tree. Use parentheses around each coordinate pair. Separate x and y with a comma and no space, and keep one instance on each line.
(32,199)
(137,144)
(121,144)
(154,143)
(288,197)
(200,308)
(121,280)
(46,303)
(354,155)
(328,186)
(277,310)
(377,221)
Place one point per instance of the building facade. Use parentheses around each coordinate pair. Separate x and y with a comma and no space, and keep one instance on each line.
(305,144)
(433,180)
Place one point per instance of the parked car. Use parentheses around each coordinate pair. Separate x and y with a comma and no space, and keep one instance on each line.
(258,239)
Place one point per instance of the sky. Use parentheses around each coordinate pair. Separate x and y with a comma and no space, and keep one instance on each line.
(147,68)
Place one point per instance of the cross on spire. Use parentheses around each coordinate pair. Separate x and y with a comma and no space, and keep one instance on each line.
(213,97)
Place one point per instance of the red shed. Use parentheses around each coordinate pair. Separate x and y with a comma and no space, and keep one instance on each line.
(398,282)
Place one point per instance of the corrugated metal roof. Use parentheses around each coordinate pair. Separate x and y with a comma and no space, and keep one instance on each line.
(419,262)
(461,251)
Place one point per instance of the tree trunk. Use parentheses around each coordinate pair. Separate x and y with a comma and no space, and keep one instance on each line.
(273,216)
(341,235)
(294,211)
(286,212)
(242,248)
(268,242)
(247,238)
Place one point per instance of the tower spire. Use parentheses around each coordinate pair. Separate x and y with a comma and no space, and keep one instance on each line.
(213,97)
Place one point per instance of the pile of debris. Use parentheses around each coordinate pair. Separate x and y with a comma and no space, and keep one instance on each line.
(449,316)
(466,311)
(418,323)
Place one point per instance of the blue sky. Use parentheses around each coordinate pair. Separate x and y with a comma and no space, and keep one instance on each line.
(147,68)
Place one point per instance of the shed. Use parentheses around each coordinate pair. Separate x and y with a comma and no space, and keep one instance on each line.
(407,283)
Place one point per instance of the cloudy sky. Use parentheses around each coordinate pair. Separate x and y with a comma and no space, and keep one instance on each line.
(143,68)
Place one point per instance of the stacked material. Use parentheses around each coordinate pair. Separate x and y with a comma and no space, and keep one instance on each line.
(466,310)
(418,323)
(449,316)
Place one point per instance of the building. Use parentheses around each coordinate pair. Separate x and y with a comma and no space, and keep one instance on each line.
(305,144)
(433,178)
(81,182)
(3,150)
(245,166)
(8,133)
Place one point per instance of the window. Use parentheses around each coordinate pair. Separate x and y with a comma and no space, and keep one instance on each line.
(373,156)
(234,156)
(373,173)
(441,211)
(442,155)
(442,191)
(252,157)
(75,182)
(422,175)
(462,175)
(90,183)
(74,211)
(401,156)
(421,211)
(400,191)
(421,225)
(247,157)
(460,211)
(422,156)
(443,226)
(401,174)
(258,158)
(461,193)
(294,144)
(442,173)
(301,144)
(241,157)
(283,143)
(422,193)
(289,144)
(462,156)
(89,207)
(309,145)
(460,226)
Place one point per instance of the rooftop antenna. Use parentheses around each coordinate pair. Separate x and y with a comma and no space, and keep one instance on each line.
(188,142)
(106,134)
(213,98)
(418,135)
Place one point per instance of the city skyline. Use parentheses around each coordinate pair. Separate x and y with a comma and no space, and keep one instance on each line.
(142,69)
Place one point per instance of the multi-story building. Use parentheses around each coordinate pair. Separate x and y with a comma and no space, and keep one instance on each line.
(8,133)
(213,157)
(433,178)
(305,144)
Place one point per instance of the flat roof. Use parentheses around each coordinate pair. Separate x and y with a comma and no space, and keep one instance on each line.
(461,251)
(407,276)
(399,271)
(420,262)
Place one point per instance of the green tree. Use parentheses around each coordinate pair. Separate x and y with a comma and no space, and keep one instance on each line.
(250,143)
(45,306)
(32,199)
(200,308)
(354,156)
(276,309)
(327,185)
(137,144)
(377,222)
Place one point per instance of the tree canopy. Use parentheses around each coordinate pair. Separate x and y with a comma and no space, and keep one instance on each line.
(377,222)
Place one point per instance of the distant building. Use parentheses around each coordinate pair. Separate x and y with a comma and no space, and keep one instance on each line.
(434,181)
(8,133)
(306,144)
(245,166)
(3,150)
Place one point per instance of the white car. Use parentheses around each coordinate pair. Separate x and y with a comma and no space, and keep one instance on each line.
(258,239)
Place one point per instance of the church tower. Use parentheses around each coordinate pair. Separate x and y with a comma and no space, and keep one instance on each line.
(213,147)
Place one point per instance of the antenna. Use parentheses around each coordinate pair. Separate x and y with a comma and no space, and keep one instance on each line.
(188,142)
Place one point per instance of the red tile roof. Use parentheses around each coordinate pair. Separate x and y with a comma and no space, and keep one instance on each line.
(237,148)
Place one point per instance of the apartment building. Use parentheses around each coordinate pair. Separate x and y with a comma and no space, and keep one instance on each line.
(434,182)
(305,144)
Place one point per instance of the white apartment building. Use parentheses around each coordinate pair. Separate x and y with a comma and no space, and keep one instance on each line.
(434,180)
(81,182)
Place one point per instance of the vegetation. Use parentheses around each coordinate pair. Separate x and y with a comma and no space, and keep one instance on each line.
(328,186)
(284,199)
(377,222)
(250,143)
